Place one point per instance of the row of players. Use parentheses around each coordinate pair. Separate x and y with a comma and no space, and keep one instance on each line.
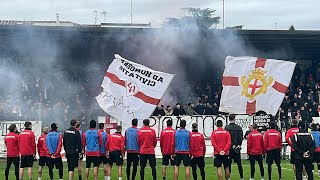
(176,146)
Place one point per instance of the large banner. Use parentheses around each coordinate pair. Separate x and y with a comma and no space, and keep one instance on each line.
(131,90)
(252,84)
(4,125)
(206,124)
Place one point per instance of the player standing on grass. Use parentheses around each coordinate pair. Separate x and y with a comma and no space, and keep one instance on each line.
(255,149)
(116,150)
(221,142)
(132,147)
(291,132)
(167,150)
(91,142)
(27,146)
(147,140)
(182,150)
(236,134)
(103,151)
(73,147)
(304,146)
(197,152)
(273,146)
(11,141)
(316,135)
(80,161)
(42,151)
(54,145)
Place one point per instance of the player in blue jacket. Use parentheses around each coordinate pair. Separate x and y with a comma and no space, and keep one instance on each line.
(103,151)
(92,141)
(54,145)
(132,148)
(316,136)
(182,150)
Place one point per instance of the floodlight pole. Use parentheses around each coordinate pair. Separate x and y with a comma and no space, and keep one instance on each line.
(223,14)
(131,11)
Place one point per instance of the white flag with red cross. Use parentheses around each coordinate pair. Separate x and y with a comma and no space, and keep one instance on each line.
(251,84)
(131,90)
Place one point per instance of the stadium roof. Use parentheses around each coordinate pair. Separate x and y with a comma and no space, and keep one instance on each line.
(303,45)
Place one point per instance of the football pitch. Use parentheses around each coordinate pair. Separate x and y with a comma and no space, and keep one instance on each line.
(287,172)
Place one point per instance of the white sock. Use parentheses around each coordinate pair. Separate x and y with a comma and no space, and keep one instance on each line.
(108,178)
(105,177)
(120,178)
(318,171)
(39,178)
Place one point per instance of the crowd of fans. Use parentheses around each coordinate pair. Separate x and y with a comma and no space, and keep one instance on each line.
(301,101)
(38,99)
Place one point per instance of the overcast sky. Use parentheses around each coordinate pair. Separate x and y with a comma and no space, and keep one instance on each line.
(253,14)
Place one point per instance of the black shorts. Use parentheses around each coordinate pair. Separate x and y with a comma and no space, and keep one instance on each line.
(198,161)
(14,160)
(166,159)
(145,157)
(316,157)
(27,161)
(57,162)
(292,157)
(236,156)
(43,161)
(95,160)
(103,160)
(221,160)
(182,157)
(133,158)
(274,155)
(115,157)
(255,158)
(72,160)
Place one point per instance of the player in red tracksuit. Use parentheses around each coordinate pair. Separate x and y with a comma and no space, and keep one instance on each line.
(27,149)
(167,150)
(42,151)
(147,140)
(255,150)
(12,143)
(197,152)
(221,142)
(115,150)
(273,146)
(290,133)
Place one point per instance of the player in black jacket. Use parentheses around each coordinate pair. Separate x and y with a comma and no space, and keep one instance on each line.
(72,147)
(304,146)
(236,142)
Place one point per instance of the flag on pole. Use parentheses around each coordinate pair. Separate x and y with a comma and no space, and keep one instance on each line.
(131,90)
(251,84)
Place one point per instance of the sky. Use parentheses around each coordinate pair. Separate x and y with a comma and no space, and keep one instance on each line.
(253,14)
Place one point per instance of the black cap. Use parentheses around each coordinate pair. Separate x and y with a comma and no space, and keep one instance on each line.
(54,126)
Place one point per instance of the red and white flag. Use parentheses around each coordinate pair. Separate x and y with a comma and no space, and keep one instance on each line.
(131,90)
(251,84)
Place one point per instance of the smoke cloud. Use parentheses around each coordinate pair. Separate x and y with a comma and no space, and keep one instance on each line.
(53,75)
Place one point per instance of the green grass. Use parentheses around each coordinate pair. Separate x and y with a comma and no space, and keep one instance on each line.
(287,172)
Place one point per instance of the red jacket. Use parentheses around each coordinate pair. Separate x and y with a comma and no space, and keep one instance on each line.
(221,141)
(42,148)
(272,140)
(166,141)
(255,144)
(27,143)
(291,132)
(12,142)
(115,142)
(197,144)
(147,140)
